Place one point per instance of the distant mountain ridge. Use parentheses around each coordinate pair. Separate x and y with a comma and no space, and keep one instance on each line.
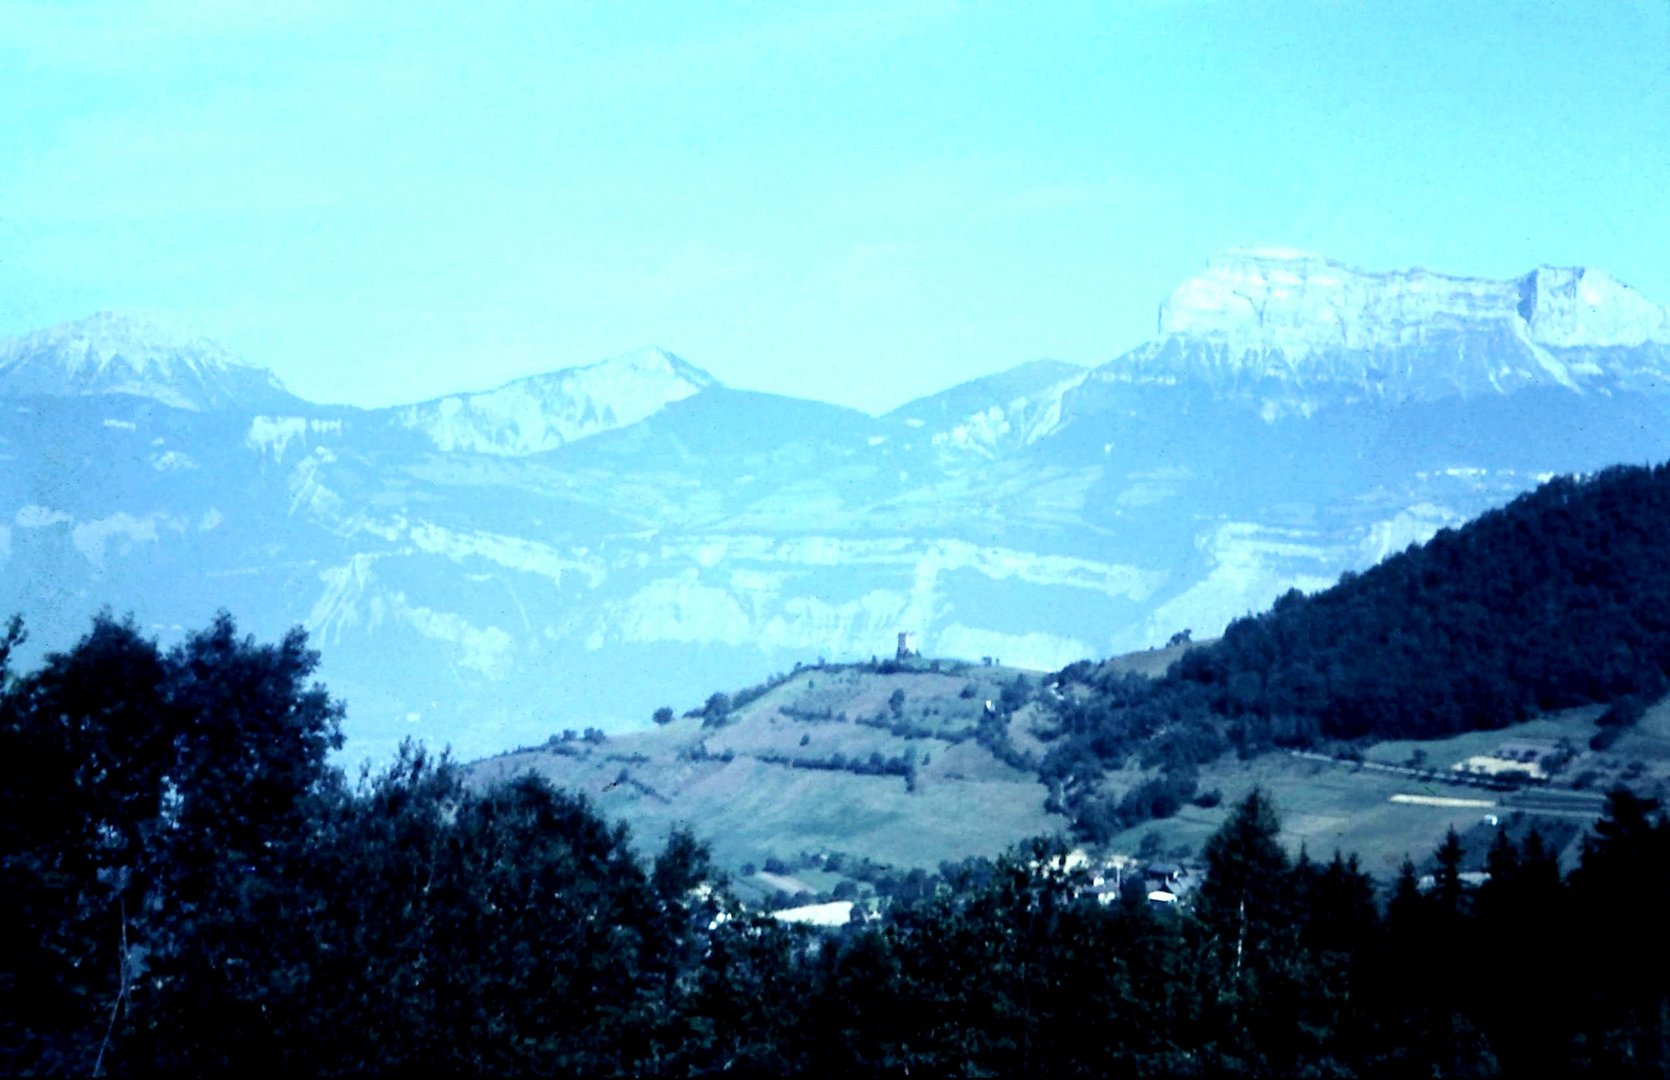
(120,353)
(1300,303)
(989,415)
(1295,331)
(580,547)
(542,412)
(1265,319)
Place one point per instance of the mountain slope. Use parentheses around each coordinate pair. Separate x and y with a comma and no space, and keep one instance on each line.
(578,548)
(114,353)
(987,416)
(1557,600)
(532,415)
(868,762)
(1293,332)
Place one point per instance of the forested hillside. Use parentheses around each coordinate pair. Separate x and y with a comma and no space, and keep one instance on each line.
(188,886)
(1561,598)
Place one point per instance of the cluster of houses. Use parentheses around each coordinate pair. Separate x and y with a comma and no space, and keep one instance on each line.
(1524,757)
(1163,883)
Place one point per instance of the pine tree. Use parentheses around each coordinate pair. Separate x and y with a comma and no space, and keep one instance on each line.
(1252,960)
(1447,890)
(1621,890)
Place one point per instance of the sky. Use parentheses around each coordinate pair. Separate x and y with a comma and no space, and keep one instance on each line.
(855,202)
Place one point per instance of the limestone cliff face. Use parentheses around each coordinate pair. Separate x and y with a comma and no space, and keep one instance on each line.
(1577,307)
(1295,332)
(1263,300)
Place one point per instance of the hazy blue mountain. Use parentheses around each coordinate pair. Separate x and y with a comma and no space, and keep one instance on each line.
(985,417)
(577,548)
(529,416)
(136,355)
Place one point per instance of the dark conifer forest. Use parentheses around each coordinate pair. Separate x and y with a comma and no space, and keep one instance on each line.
(1561,598)
(189,885)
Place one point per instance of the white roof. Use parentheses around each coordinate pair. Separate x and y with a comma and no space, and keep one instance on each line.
(835,913)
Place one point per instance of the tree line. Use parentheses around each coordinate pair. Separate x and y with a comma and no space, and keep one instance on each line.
(1561,598)
(187,884)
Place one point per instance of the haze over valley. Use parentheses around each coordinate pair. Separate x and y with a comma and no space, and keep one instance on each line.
(575,549)
(878,537)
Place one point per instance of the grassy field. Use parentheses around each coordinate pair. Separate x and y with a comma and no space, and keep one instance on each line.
(761,787)
(1639,758)
(1327,805)
(738,787)
(1151,662)
(1323,807)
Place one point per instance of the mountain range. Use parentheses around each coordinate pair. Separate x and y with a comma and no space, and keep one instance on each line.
(577,548)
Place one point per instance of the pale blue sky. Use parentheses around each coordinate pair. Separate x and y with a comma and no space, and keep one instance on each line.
(860,202)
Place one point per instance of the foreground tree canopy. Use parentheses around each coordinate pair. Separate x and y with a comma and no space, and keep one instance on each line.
(187,884)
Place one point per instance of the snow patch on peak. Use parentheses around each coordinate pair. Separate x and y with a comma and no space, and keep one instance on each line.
(273,434)
(1267,300)
(652,362)
(1292,332)
(1020,422)
(543,412)
(142,339)
(996,413)
(135,354)
(1575,307)
(1252,301)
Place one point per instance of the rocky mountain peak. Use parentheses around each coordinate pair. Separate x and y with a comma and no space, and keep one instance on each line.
(1277,299)
(1291,332)
(651,362)
(543,412)
(1576,307)
(141,355)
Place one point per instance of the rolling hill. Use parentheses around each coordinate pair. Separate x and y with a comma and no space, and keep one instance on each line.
(1506,669)
(883,763)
